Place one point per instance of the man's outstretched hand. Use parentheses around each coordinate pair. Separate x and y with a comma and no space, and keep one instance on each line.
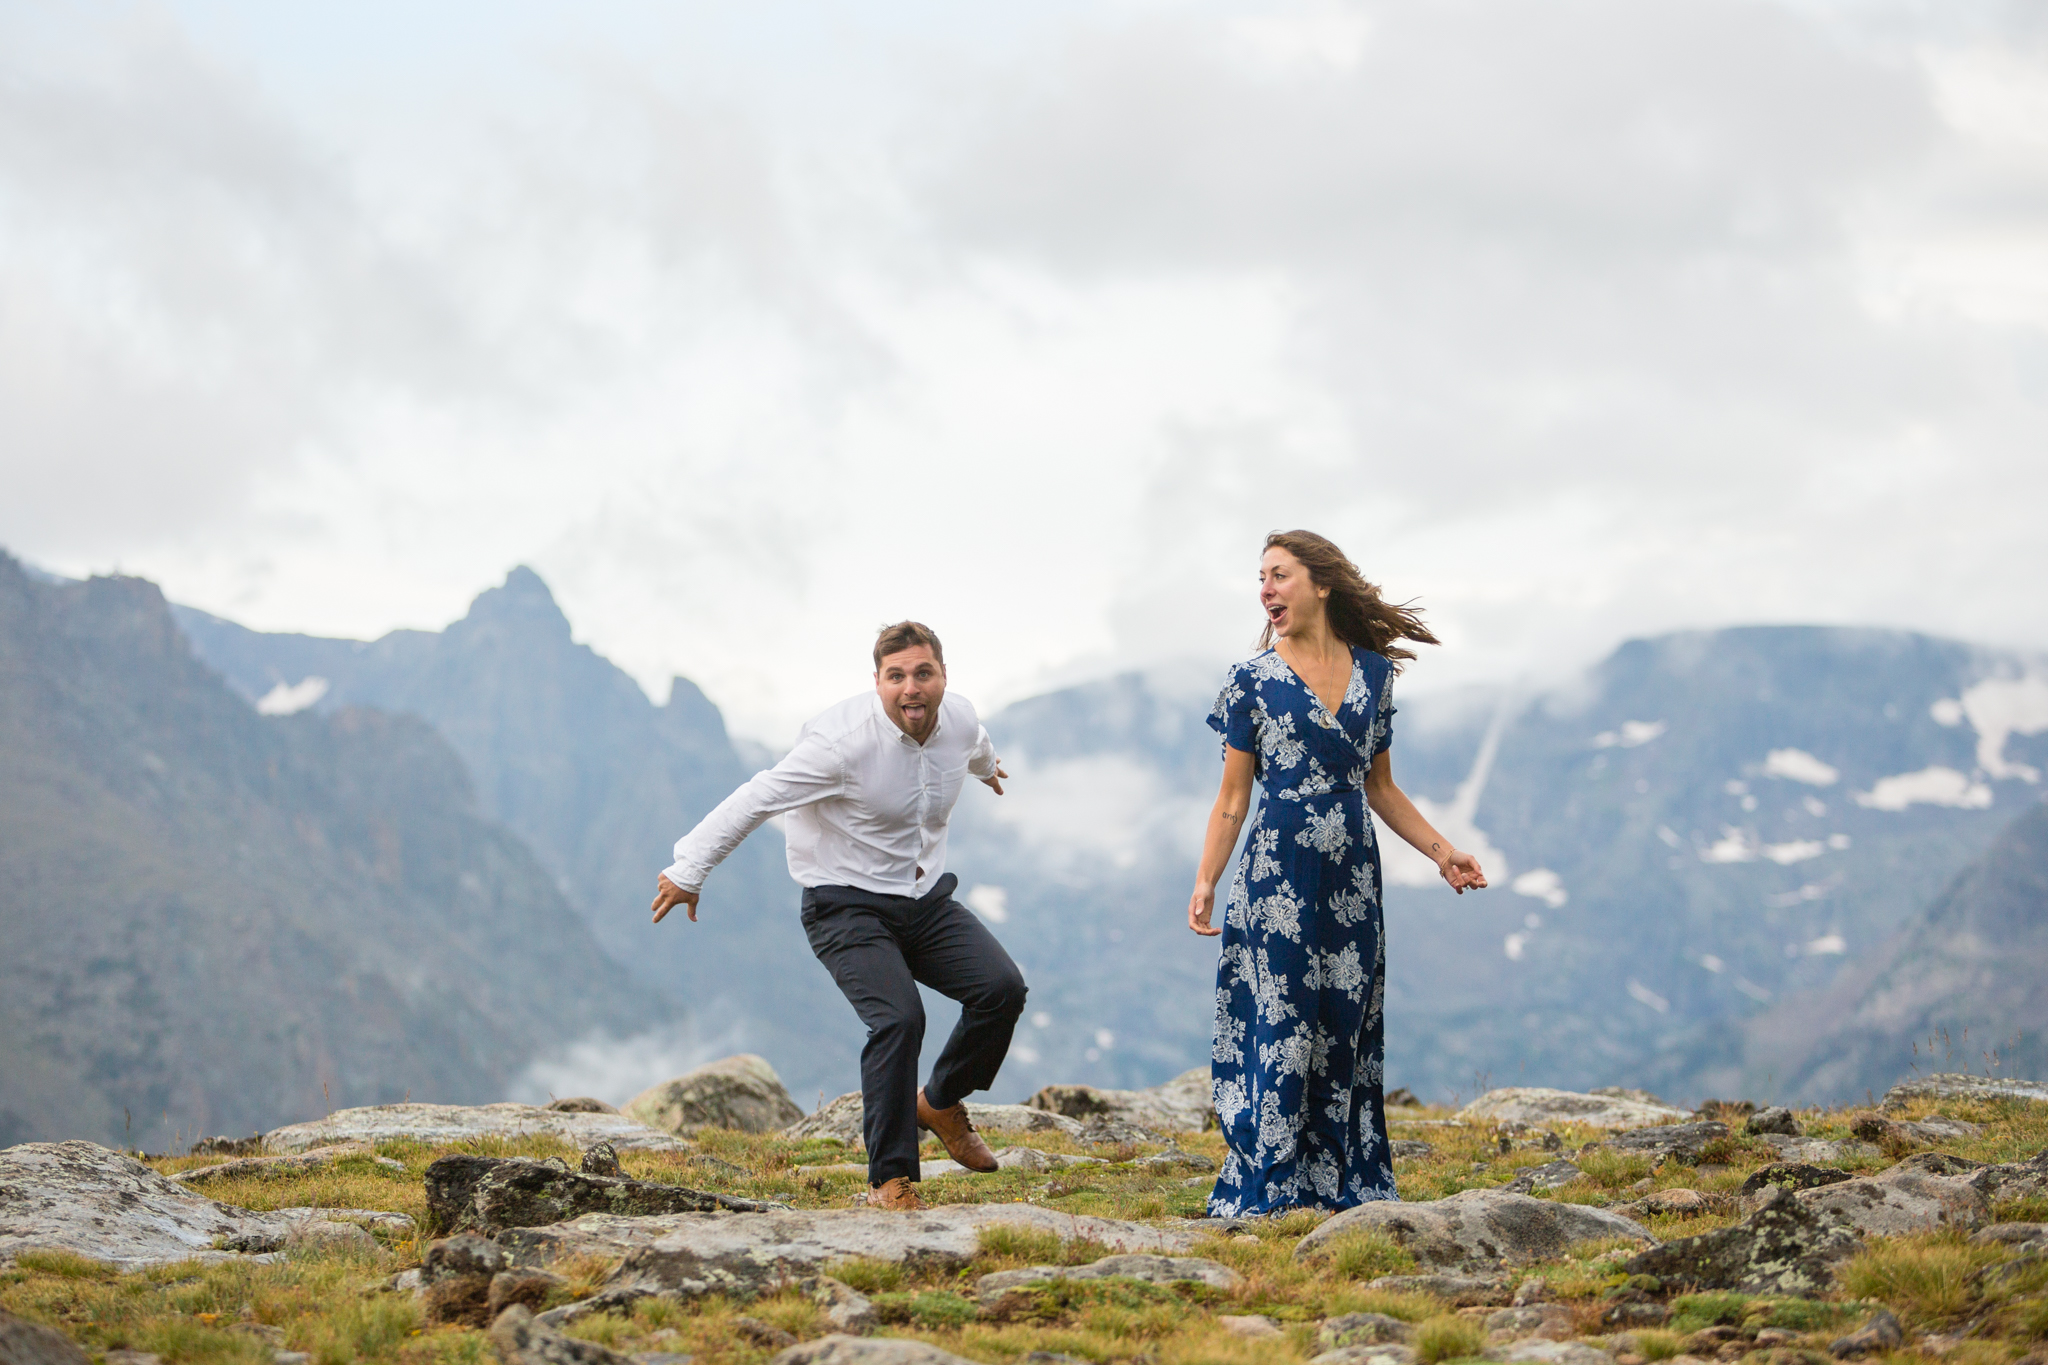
(667,896)
(995,783)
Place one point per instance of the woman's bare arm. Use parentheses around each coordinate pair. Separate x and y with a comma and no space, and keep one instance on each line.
(1226,822)
(1392,805)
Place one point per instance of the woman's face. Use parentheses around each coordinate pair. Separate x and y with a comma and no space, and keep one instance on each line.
(1291,600)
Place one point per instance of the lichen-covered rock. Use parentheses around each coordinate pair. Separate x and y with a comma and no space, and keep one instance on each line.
(582,1104)
(1153,1269)
(297,1163)
(1477,1229)
(1777,1120)
(1680,1142)
(601,1159)
(839,1349)
(1552,1321)
(741,1092)
(1382,1353)
(841,1119)
(1951,1086)
(1460,1291)
(447,1124)
(1783,1248)
(697,1246)
(1812,1151)
(520,1339)
(1181,1105)
(492,1193)
(1363,1329)
(1928,1132)
(1549,1176)
(1793,1176)
(1906,1198)
(1881,1333)
(1534,1105)
(86,1199)
(1544,1351)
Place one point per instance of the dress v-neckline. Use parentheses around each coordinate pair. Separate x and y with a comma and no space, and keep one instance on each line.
(1351,675)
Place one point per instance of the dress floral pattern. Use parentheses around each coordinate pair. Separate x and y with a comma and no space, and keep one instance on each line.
(1298,1061)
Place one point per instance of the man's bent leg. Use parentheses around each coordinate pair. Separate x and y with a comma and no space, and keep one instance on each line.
(952,951)
(853,940)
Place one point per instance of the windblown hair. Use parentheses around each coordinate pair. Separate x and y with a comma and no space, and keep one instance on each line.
(907,635)
(1358,614)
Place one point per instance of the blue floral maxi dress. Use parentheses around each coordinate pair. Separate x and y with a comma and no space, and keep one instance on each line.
(1299,1050)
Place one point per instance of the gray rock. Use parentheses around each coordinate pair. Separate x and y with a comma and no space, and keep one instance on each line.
(514,1192)
(1816,1151)
(845,1308)
(86,1199)
(1785,1247)
(1681,1142)
(527,1287)
(1543,1351)
(1623,1092)
(1777,1119)
(2013,1179)
(741,1092)
(1181,1105)
(1173,1159)
(1257,1326)
(841,1119)
(582,1104)
(1927,1132)
(1113,1130)
(266,1167)
(1385,1353)
(1881,1333)
(1793,1176)
(1950,1086)
(1363,1329)
(1153,1269)
(520,1339)
(1549,1176)
(461,1256)
(1460,1291)
(602,1159)
(2011,1234)
(327,1235)
(30,1343)
(838,1349)
(149,1357)
(1905,1198)
(1551,1320)
(1475,1229)
(374,1220)
(685,1255)
(448,1124)
(1608,1108)
(1410,1149)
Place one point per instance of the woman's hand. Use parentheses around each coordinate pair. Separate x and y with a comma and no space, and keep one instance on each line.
(1200,906)
(1462,871)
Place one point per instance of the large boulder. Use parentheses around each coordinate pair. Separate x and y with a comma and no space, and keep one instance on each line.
(799,1241)
(30,1343)
(1475,1230)
(1534,1105)
(1917,1195)
(491,1193)
(1681,1142)
(841,1119)
(447,1124)
(300,1163)
(1785,1247)
(741,1092)
(96,1203)
(1181,1105)
(1952,1086)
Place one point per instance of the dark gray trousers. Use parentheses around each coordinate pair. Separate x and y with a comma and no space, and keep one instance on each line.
(878,948)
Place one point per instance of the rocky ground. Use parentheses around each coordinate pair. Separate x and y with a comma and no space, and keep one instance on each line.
(1604,1229)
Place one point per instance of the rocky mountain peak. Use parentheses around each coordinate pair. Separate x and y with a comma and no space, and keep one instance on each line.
(522,604)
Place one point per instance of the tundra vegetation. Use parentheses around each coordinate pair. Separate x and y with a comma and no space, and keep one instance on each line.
(1973,1302)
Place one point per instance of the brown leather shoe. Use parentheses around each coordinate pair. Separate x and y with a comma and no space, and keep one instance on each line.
(895,1196)
(954,1128)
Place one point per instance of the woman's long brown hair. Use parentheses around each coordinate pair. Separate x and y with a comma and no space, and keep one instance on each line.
(1358,614)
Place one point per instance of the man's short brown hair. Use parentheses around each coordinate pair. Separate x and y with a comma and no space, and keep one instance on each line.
(907,635)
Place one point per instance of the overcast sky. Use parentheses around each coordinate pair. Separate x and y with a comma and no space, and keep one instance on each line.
(753,325)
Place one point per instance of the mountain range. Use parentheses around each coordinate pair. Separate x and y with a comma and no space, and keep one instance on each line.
(216,921)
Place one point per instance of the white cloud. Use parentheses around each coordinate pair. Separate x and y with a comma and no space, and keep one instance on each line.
(992,903)
(1797,765)
(1109,806)
(2001,707)
(1645,996)
(1631,734)
(1544,885)
(1936,786)
(1794,851)
(617,1069)
(288,699)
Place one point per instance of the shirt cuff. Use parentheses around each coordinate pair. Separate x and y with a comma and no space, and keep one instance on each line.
(686,876)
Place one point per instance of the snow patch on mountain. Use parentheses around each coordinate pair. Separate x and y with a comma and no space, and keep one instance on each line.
(1936,786)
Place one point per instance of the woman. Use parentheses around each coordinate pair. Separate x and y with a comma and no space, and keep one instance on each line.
(1298,1061)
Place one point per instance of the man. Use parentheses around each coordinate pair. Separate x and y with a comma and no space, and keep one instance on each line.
(869,788)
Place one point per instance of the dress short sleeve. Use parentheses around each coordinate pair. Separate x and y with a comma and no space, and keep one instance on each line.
(1383,717)
(1234,715)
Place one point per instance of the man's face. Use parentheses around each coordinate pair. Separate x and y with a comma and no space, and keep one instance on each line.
(910,683)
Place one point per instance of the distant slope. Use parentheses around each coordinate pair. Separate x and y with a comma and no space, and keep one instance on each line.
(567,750)
(213,921)
(1703,824)
(1966,979)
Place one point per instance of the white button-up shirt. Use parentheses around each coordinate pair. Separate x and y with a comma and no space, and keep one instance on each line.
(867,804)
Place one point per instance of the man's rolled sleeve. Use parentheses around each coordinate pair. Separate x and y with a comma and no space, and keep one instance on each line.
(981,759)
(812,771)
